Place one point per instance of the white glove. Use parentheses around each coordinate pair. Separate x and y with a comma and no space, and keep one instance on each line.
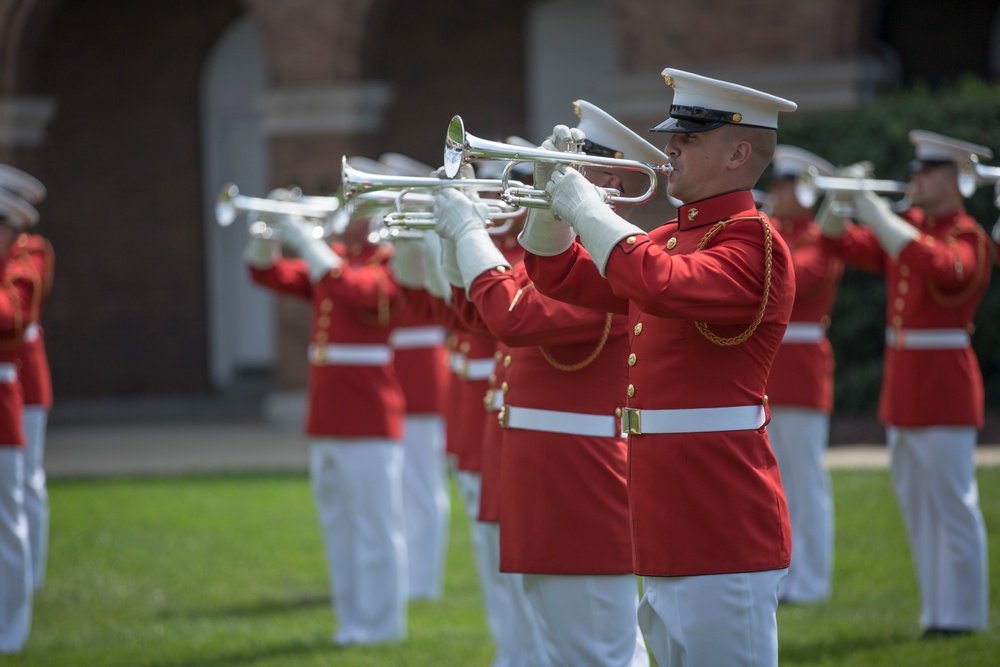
(892,231)
(297,234)
(437,284)
(261,253)
(544,234)
(463,220)
(830,216)
(456,214)
(407,263)
(583,205)
(449,263)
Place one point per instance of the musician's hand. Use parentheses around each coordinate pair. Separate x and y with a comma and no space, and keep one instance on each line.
(563,140)
(892,231)
(458,214)
(261,253)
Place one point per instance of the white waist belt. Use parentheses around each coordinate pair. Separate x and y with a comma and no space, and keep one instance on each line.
(552,421)
(694,420)
(471,369)
(8,373)
(32,333)
(350,355)
(409,338)
(493,400)
(803,332)
(927,339)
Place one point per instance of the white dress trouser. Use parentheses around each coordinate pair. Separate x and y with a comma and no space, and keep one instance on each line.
(15,554)
(588,620)
(508,614)
(426,504)
(799,438)
(708,620)
(357,486)
(36,496)
(934,474)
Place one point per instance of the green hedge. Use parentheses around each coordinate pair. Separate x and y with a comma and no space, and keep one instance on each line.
(877,133)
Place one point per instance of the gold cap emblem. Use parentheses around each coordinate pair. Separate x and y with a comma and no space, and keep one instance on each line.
(577,111)
(737,117)
(668,80)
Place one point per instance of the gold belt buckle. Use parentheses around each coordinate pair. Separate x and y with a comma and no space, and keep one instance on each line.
(632,421)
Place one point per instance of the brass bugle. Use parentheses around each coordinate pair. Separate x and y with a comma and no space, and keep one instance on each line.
(354,182)
(230,203)
(811,184)
(461,148)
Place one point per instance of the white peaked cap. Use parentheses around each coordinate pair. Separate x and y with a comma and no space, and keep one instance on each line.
(790,161)
(17,212)
(608,137)
(701,103)
(938,148)
(22,184)
(402,165)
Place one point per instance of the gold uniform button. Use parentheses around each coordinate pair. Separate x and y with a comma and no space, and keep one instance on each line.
(501,269)
(326,306)
(904,270)
(504,387)
(903,287)
(899,303)
(630,240)
(618,412)
(492,380)
(465,347)
(324,321)
(631,391)
(336,272)
(765,399)
(825,321)
(497,356)
(506,361)
(631,359)
(638,329)
(672,243)
(322,337)
(897,321)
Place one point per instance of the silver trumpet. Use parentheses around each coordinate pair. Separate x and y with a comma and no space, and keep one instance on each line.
(230,204)
(354,182)
(811,184)
(461,148)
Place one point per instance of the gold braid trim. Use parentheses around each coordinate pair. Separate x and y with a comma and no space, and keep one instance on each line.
(570,368)
(965,294)
(719,226)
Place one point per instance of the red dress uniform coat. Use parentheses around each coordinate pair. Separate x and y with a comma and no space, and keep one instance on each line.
(20,291)
(420,359)
(471,365)
(802,372)
(490,488)
(936,283)
(351,306)
(565,500)
(33,254)
(702,502)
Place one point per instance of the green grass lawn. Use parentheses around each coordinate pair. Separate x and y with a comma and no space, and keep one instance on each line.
(228,571)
